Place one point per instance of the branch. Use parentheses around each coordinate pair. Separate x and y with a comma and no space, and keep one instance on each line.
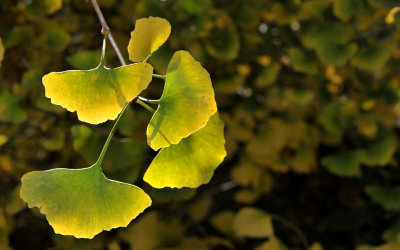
(107,30)
(105,27)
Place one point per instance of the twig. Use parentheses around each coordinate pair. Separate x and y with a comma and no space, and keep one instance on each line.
(110,36)
(107,30)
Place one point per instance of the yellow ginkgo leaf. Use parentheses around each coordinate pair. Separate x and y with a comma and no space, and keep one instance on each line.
(149,34)
(186,104)
(192,161)
(99,94)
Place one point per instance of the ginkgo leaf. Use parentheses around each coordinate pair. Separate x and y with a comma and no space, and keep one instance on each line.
(191,162)
(99,94)
(388,197)
(185,105)
(10,110)
(1,51)
(253,222)
(346,163)
(301,62)
(149,34)
(273,243)
(82,202)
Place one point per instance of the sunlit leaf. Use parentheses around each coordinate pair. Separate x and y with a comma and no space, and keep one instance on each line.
(82,202)
(388,197)
(253,222)
(100,94)
(185,105)
(191,162)
(149,34)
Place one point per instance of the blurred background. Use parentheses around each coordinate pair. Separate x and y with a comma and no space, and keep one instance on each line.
(309,93)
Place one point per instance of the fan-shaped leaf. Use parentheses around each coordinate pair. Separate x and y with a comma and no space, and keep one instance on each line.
(82,202)
(252,222)
(149,34)
(191,162)
(99,94)
(388,197)
(346,163)
(10,111)
(185,105)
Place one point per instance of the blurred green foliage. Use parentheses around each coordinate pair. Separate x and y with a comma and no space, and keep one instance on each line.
(308,91)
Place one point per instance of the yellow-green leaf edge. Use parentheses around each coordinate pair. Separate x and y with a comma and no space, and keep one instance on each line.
(188,101)
(192,162)
(149,34)
(99,94)
(82,202)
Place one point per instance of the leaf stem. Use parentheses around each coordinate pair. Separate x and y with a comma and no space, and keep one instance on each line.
(110,136)
(114,44)
(159,76)
(149,101)
(105,26)
(123,63)
(103,50)
(138,101)
(294,228)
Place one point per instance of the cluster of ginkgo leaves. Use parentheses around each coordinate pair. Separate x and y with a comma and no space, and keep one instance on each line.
(185,127)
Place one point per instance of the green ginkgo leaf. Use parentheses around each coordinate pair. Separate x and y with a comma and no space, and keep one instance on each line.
(192,162)
(149,34)
(388,197)
(185,105)
(345,9)
(335,54)
(82,202)
(301,62)
(10,110)
(99,94)
(346,163)
(1,51)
